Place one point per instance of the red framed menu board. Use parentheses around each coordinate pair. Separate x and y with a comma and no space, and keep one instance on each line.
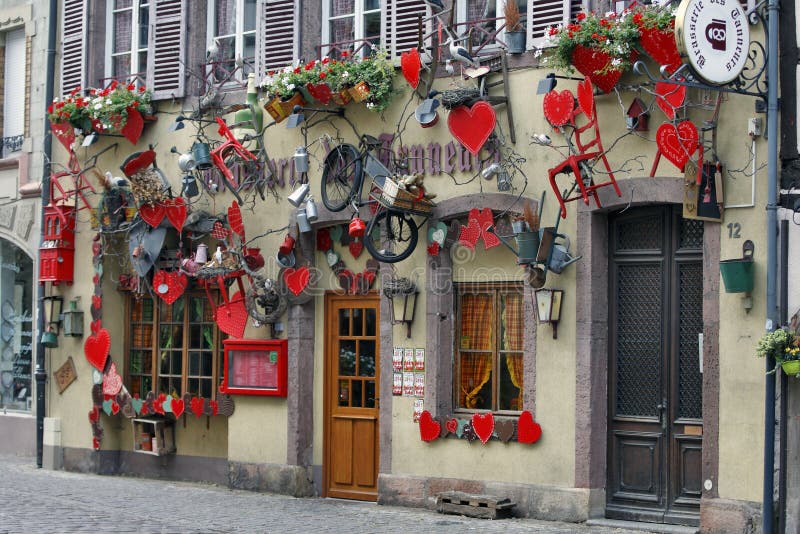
(255,367)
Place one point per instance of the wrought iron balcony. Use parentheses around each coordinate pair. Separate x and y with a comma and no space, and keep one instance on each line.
(12,144)
(353,48)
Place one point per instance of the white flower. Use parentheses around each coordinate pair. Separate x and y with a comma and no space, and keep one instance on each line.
(616,62)
(370,105)
(538,52)
(98,106)
(98,100)
(108,101)
(611,14)
(290,86)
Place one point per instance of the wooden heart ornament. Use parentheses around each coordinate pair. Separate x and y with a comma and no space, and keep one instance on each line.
(504,430)
(177,407)
(586,97)
(169,286)
(558,107)
(197,404)
(677,143)
(472,126)
(451,425)
(528,431)
(96,348)
(225,406)
(175,209)
(231,318)
(152,214)
(670,97)
(112,382)
(429,429)
(296,279)
(483,425)
(410,63)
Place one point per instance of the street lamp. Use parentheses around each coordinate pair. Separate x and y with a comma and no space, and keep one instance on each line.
(51,306)
(73,320)
(548,306)
(402,295)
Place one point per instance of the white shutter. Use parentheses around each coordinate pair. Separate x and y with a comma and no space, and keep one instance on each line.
(14,98)
(73,45)
(166,52)
(275,35)
(402,25)
(546,13)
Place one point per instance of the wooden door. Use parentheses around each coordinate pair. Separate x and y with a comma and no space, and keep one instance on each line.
(352,371)
(655,430)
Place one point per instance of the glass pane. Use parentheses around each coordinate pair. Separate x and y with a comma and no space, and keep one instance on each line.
(511,327)
(372,24)
(175,387)
(344,322)
(342,7)
(355,399)
(372,4)
(194,363)
(147,309)
(195,310)
(205,388)
(225,17)
(206,364)
(227,51)
(135,362)
(371,322)
(147,362)
(177,336)
(475,382)
(122,31)
(177,362)
(342,30)
(164,363)
(370,385)
(147,385)
(366,358)
(208,338)
(511,381)
(195,336)
(121,4)
(358,322)
(249,48)
(144,25)
(347,358)
(477,322)
(177,310)
(193,386)
(142,67)
(121,66)
(249,15)
(344,392)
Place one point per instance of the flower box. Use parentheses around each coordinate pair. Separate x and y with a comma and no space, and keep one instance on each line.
(660,45)
(359,91)
(595,64)
(279,108)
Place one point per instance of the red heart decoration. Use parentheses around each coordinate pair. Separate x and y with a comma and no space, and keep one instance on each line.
(321,92)
(138,161)
(558,107)
(96,349)
(528,431)
(433,249)
(677,143)
(176,211)
(114,407)
(235,219)
(589,61)
(483,425)
(468,237)
(158,404)
(97,302)
(213,406)
(472,126)
(112,382)
(133,126)
(345,278)
(64,132)
(485,220)
(356,247)
(410,64)
(296,279)
(177,407)
(197,404)
(429,429)
(451,425)
(670,97)
(660,45)
(94,414)
(96,444)
(96,279)
(586,97)
(220,232)
(95,326)
(152,214)
(145,409)
(231,318)
(175,283)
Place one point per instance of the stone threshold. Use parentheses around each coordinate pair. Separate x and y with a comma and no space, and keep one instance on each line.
(643,527)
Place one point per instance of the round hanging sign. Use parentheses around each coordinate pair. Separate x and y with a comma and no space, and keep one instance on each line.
(714,36)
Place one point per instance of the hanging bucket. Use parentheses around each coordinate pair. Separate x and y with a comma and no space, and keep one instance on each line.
(737,274)
(527,246)
(202,155)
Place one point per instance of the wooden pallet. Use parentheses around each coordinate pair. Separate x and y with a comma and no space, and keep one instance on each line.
(481,506)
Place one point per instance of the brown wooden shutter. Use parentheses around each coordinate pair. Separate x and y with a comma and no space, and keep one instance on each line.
(401,24)
(546,13)
(275,35)
(73,49)
(166,50)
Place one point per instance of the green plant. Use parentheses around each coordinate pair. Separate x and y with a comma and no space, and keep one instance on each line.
(661,17)
(377,70)
(283,83)
(105,109)
(781,345)
(512,15)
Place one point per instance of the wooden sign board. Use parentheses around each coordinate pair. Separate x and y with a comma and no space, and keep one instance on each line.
(703,201)
(65,375)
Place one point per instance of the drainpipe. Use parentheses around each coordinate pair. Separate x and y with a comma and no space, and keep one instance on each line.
(772,260)
(47,148)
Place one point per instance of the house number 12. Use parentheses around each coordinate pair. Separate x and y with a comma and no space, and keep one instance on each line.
(733,230)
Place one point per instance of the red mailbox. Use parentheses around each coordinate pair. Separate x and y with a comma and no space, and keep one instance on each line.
(255,367)
(57,253)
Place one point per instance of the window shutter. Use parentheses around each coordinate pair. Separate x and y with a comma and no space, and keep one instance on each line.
(275,36)
(546,13)
(14,99)
(166,49)
(402,25)
(73,45)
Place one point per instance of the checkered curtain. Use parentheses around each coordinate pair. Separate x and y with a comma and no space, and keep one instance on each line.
(512,338)
(477,323)
(225,14)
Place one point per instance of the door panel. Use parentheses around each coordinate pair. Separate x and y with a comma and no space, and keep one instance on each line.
(351,397)
(655,387)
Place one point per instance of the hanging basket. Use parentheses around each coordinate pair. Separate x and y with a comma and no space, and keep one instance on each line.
(791,368)
(279,109)
(593,63)
(660,45)
(360,91)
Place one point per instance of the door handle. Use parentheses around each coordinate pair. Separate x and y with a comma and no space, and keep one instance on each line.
(662,414)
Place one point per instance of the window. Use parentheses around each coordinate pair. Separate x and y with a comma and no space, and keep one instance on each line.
(482,18)
(276,35)
(129,35)
(546,13)
(232,32)
(13,85)
(173,348)
(351,23)
(16,328)
(488,372)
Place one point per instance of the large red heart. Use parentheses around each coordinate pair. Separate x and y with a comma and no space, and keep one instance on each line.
(321,92)
(590,61)
(485,220)
(231,318)
(451,425)
(138,161)
(558,107)
(96,349)
(528,431)
(133,126)
(64,132)
(468,237)
(483,425)
(177,407)
(169,285)
(112,382)
(472,126)
(235,219)
(197,404)
(429,429)
(586,97)
(677,144)
(410,63)
(296,279)
(176,211)
(670,97)
(152,214)
(661,46)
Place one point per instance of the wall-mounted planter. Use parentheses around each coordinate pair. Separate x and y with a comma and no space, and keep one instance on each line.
(737,274)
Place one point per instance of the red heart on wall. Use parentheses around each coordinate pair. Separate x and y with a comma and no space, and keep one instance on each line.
(590,61)
(468,237)
(112,382)
(133,126)
(356,247)
(169,286)
(96,348)
(320,92)
(558,107)
(472,126)
(483,425)
(451,425)
(97,302)
(429,429)
(235,219)
(410,64)
(231,318)
(220,232)
(296,279)
(176,211)
(96,444)
(586,97)
(197,404)
(152,214)
(660,45)
(114,407)
(177,407)
(485,220)
(528,431)
(670,97)
(677,143)
(94,414)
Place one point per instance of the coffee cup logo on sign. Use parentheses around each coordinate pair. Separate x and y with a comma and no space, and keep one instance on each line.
(716,33)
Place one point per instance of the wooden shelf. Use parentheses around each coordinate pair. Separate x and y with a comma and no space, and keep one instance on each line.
(153,436)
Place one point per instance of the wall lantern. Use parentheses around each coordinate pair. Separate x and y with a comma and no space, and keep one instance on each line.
(402,295)
(73,320)
(51,306)
(548,306)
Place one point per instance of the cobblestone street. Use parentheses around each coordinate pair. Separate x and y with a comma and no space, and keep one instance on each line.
(38,500)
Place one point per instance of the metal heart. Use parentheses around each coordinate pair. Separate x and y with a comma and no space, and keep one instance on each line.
(670,97)
(677,143)
(152,214)
(660,45)
(133,125)
(410,63)
(235,219)
(472,126)
(176,212)
(231,318)
(96,348)
(296,279)
(586,98)
(558,107)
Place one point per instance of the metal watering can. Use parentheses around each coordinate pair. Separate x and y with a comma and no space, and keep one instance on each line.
(558,256)
(527,244)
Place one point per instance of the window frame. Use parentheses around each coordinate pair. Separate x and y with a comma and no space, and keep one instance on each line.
(524,10)
(238,34)
(359,12)
(217,351)
(496,289)
(138,73)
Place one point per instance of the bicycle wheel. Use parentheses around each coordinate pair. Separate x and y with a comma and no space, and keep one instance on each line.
(396,239)
(341,177)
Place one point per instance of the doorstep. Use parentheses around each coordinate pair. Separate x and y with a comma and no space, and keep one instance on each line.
(644,527)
